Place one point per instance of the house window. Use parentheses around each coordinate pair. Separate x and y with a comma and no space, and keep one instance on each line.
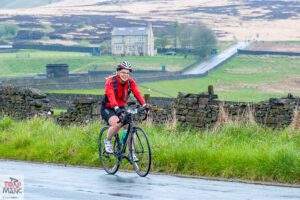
(119,47)
(129,39)
(140,39)
(131,48)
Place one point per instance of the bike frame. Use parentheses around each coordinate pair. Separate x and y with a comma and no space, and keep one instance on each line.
(122,148)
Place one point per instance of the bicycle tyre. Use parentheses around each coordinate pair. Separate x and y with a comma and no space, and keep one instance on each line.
(142,150)
(109,162)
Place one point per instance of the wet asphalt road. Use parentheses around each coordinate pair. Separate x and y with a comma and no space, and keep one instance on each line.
(43,182)
(206,66)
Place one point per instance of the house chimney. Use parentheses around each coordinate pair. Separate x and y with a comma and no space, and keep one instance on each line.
(150,40)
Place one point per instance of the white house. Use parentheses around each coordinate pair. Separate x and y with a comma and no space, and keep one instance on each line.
(135,41)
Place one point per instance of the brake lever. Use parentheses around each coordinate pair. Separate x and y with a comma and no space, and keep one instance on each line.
(143,111)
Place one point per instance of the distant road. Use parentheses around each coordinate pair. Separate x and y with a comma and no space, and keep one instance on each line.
(54,182)
(215,61)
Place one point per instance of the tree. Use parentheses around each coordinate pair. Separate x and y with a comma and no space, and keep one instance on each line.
(175,31)
(105,47)
(8,30)
(204,40)
(197,37)
(162,39)
(185,36)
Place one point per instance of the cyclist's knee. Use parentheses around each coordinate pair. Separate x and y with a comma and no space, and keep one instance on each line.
(113,121)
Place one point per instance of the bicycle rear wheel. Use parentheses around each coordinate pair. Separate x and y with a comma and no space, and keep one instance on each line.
(142,151)
(109,162)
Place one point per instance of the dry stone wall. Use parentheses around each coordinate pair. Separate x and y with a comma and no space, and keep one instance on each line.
(162,115)
(64,101)
(23,103)
(205,111)
(82,111)
(277,112)
(85,110)
(195,110)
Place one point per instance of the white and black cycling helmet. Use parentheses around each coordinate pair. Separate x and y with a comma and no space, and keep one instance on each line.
(124,65)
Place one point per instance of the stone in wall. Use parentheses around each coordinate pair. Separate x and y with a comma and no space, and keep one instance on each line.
(82,111)
(277,112)
(197,110)
(23,103)
(237,111)
(162,115)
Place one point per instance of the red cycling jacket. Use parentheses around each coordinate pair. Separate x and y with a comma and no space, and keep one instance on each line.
(120,96)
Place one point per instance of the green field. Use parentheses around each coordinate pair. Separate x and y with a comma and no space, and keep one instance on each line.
(33,62)
(244,78)
(244,151)
(143,90)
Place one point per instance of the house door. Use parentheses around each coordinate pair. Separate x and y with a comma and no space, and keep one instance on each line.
(140,51)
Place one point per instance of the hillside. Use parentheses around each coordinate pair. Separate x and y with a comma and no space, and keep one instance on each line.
(241,19)
(9,4)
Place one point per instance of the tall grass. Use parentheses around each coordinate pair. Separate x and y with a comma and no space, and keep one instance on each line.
(247,152)
(232,150)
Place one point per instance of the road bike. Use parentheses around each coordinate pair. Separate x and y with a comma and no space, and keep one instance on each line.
(135,141)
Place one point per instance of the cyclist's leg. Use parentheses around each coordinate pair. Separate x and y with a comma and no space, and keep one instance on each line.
(114,126)
(113,130)
(109,115)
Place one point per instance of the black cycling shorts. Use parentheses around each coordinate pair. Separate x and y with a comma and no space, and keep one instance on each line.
(107,113)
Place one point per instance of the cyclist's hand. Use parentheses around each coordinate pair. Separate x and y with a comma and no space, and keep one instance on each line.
(119,111)
(147,108)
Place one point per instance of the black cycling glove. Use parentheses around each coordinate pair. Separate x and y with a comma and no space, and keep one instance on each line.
(119,111)
(147,108)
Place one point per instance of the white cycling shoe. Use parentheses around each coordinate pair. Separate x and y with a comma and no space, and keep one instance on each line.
(108,146)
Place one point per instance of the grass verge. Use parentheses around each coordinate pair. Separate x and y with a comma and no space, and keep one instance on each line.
(246,152)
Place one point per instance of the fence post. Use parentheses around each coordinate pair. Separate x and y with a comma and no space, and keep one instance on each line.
(211,90)
(147,98)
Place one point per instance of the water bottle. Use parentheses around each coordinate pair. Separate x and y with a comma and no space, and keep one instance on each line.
(124,134)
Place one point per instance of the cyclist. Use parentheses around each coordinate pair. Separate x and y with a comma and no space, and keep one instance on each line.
(117,90)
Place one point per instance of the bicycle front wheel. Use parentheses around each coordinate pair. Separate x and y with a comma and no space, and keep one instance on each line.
(109,162)
(142,151)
